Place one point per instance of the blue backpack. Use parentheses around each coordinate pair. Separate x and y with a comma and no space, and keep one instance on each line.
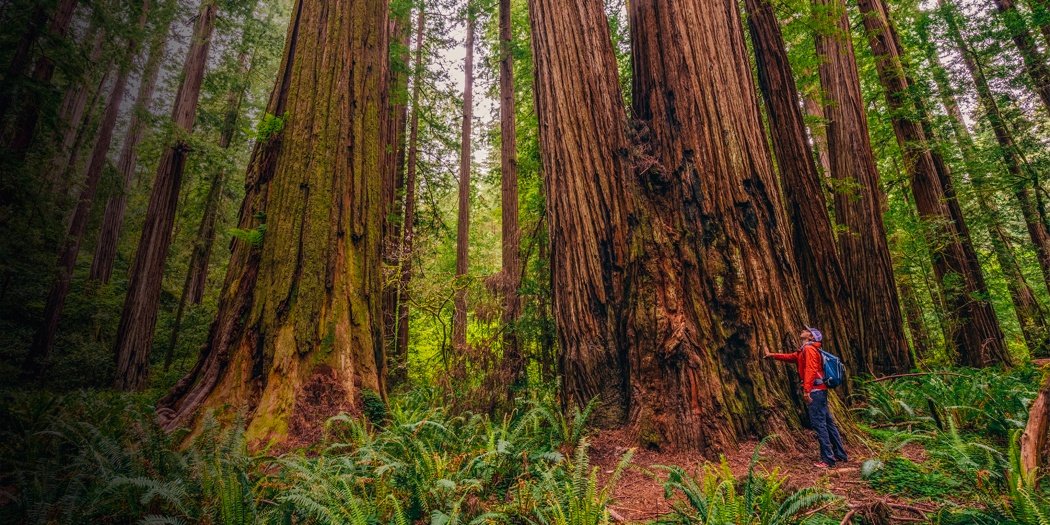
(834,370)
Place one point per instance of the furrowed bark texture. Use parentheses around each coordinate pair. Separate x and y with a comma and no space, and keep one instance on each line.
(671,266)
(813,239)
(513,362)
(859,200)
(44,339)
(459,319)
(71,113)
(116,205)
(139,316)
(976,335)
(300,317)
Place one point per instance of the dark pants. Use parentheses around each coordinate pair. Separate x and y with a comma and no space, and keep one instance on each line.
(827,433)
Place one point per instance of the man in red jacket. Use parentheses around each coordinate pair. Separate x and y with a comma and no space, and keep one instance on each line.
(815,393)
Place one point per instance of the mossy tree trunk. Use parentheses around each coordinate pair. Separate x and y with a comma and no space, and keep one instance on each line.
(859,200)
(975,332)
(300,317)
(824,284)
(139,316)
(671,263)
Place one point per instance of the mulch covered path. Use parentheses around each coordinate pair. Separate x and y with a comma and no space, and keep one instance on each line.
(639,495)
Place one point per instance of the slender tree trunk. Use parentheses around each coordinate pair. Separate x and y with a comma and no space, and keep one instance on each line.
(817,130)
(44,338)
(72,114)
(459,320)
(116,205)
(664,244)
(82,139)
(1015,165)
(394,181)
(1030,314)
(920,334)
(398,368)
(1035,64)
(823,281)
(859,201)
(300,318)
(513,362)
(195,285)
(976,335)
(25,124)
(139,317)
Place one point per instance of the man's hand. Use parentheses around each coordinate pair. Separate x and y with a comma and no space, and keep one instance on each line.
(807,398)
(766,354)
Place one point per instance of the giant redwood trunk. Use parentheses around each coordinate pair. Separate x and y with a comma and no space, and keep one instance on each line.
(459,319)
(44,338)
(823,281)
(671,264)
(859,200)
(299,321)
(116,205)
(975,331)
(513,363)
(139,316)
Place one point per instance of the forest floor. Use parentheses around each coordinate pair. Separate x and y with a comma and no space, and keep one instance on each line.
(639,495)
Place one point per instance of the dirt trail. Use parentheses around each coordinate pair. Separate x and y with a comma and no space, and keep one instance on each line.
(640,496)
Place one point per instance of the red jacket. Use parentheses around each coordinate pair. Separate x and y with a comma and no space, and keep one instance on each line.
(810,365)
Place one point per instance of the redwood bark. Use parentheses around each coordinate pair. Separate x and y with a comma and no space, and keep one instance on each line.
(194,286)
(671,266)
(975,332)
(116,205)
(300,318)
(398,366)
(139,316)
(513,363)
(920,334)
(72,114)
(859,200)
(44,339)
(823,281)
(459,320)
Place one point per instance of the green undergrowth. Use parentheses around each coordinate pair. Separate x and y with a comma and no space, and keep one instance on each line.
(951,437)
